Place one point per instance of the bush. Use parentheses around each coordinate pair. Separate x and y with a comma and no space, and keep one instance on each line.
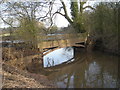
(104,26)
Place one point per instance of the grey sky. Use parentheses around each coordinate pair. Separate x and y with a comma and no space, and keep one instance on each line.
(59,20)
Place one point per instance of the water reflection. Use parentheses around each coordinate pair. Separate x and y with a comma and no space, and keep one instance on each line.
(58,56)
(97,70)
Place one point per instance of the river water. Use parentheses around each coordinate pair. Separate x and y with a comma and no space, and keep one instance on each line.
(85,70)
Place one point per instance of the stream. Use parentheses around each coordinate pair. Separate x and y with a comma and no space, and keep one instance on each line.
(90,70)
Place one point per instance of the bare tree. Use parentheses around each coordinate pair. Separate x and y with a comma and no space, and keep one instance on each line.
(31,12)
(77,9)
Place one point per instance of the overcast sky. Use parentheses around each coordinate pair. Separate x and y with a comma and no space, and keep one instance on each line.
(59,20)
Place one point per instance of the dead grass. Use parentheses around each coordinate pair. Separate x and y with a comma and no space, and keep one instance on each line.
(16,74)
(16,78)
(19,81)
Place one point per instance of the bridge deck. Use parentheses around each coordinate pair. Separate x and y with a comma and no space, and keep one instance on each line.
(50,46)
(61,43)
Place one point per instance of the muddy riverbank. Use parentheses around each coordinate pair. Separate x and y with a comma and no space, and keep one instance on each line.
(19,71)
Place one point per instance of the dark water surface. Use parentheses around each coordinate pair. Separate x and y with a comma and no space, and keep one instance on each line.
(91,70)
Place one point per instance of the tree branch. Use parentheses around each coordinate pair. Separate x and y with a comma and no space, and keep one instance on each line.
(59,13)
(6,22)
(89,7)
(65,10)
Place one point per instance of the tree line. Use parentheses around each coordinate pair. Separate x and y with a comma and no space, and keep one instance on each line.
(103,26)
(101,21)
